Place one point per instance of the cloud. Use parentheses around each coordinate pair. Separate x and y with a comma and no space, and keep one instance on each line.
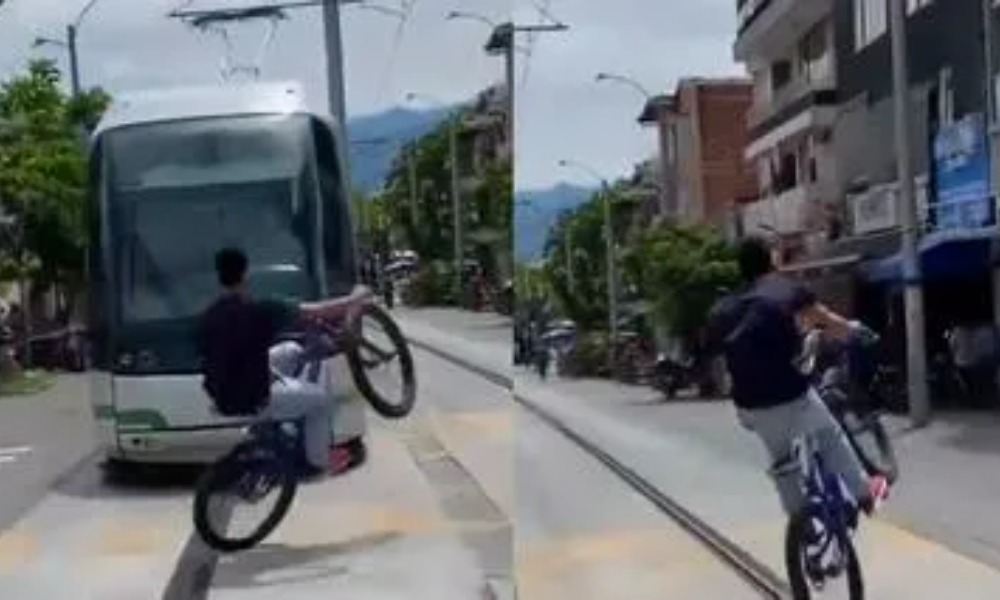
(563,113)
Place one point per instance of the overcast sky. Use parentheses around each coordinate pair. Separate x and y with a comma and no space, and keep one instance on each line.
(127,44)
(561,112)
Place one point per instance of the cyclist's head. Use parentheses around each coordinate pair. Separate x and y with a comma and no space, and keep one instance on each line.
(231,267)
(754,257)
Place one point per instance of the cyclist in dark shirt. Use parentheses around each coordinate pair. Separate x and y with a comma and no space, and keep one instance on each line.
(237,342)
(759,331)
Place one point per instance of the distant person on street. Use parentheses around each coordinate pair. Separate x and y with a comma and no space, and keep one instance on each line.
(759,331)
(238,346)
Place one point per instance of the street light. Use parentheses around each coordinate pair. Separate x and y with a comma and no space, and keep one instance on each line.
(456,203)
(665,165)
(612,276)
(604,76)
(70,45)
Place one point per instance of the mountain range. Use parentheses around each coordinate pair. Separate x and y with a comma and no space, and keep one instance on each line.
(370,162)
(536,211)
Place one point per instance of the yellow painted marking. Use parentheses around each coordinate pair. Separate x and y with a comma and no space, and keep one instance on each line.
(124,537)
(483,425)
(627,564)
(16,549)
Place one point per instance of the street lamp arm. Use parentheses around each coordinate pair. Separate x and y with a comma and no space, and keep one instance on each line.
(585,168)
(625,80)
(83,13)
(461,14)
(386,10)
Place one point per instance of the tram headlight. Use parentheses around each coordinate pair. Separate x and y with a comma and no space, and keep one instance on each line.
(126,360)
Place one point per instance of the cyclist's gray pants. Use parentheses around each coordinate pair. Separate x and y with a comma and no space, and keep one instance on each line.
(778,426)
(299,398)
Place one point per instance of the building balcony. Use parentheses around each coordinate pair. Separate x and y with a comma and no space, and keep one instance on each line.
(814,113)
(784,103)
(767,27)
(797,210)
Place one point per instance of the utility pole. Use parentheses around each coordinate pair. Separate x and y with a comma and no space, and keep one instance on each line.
(456,206)
(411,160)
(612,275)
(916,355)
(568,251)
(335,62)
(74,65)
(990,96)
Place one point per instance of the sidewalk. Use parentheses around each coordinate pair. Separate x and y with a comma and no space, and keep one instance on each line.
(378,532)
(938,529)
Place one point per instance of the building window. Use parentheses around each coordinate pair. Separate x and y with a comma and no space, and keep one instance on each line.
(781,74)
(870,21)
(814,55)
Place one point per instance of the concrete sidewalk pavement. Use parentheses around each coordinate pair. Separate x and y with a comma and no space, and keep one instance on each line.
(695,452)
(377,532)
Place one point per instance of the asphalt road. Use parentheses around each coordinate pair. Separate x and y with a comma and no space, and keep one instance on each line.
(41,438)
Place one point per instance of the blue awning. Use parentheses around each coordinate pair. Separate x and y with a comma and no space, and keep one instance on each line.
(952,253)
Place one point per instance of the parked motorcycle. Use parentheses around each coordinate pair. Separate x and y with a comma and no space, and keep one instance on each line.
(671,376)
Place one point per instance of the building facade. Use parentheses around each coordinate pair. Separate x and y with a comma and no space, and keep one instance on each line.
(788,46)
(703,128)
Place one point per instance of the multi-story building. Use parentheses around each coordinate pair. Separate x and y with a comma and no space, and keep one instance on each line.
(947,83)
(788,46)
(704,127)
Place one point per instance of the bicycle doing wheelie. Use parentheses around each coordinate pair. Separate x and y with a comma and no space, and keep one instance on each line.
(819,538)
(270,457)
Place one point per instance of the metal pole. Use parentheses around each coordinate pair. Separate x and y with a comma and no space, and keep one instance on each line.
(334,62)
(989,84)
(74,67)
(568,250)
(509,75)
(611,275)
(456,206)
(914,301)
(411,159)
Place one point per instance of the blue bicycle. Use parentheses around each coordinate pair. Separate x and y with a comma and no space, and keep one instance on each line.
(818,540)
(272,456)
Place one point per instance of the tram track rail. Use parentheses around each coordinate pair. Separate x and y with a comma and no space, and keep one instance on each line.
(764,580)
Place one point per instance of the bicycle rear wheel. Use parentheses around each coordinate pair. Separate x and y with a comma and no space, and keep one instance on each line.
(802,536)
(247,474)
(364,355)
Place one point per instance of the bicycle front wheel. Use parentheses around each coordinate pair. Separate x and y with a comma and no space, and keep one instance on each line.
(808,545)
(366,355)
(247,476)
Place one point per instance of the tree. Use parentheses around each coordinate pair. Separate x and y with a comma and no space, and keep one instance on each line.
(682,271)
(586,301)
(43,174)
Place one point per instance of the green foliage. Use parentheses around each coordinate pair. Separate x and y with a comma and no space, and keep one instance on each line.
(421,216)
(43,173)
(586,301)
(430,285)
(683,271)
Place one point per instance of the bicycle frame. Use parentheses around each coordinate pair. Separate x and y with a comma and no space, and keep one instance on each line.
(826,492)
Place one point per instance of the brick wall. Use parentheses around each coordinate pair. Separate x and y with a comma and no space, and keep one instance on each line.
(722,132)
